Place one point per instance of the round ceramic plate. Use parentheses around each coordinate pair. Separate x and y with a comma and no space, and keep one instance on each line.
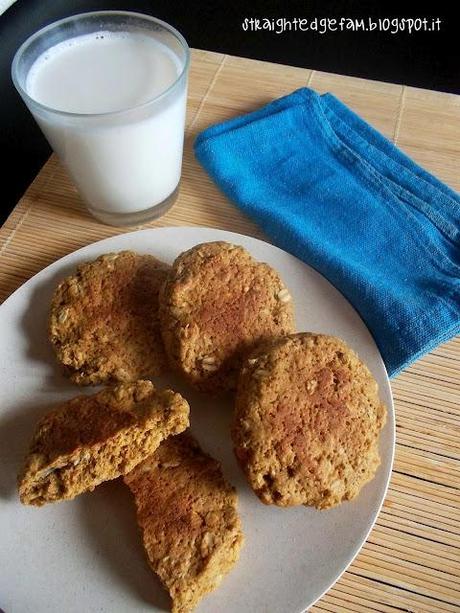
(86,554)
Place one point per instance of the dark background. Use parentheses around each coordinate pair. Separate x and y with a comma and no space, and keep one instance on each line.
(423,59)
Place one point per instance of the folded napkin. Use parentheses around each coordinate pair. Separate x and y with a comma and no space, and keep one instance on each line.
(327,187)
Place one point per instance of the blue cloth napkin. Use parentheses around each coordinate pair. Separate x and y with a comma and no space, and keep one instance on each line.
(327,187)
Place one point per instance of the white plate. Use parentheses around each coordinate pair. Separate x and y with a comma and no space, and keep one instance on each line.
(85,554)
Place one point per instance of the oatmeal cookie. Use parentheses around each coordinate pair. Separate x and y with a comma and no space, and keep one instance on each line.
(307,421)
(91,439)
(188,517)
(215,305)
(104,319)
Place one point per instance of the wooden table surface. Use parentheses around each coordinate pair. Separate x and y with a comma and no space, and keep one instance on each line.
(411,561)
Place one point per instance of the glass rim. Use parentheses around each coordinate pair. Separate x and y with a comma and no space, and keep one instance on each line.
(35,103)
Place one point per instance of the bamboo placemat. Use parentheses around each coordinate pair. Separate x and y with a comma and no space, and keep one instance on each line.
(411,561)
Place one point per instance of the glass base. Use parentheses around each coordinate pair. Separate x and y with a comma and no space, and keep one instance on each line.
(139,217)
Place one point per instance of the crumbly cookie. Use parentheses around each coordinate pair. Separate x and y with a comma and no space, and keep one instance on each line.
(91,439)
(307,421)
(188,517)
(215,305)
(104,319)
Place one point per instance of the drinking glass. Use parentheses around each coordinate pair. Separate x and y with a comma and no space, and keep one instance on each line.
(126,164)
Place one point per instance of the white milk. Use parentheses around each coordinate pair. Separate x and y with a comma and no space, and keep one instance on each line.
(123,162)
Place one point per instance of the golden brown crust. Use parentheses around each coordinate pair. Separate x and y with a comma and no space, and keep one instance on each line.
(91,439)
(215,305)
(104,319)
(187,514)
(307,421)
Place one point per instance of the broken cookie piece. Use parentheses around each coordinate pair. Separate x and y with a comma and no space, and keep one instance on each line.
(188,517)
(91,439)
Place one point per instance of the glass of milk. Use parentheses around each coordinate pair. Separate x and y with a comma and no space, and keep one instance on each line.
(108,89)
